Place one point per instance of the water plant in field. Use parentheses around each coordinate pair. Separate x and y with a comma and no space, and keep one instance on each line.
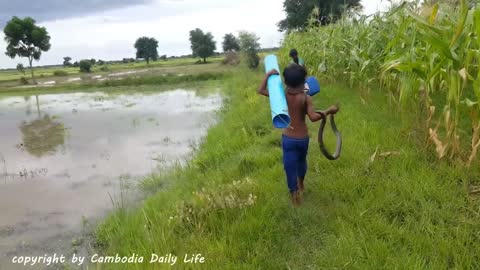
(42,136)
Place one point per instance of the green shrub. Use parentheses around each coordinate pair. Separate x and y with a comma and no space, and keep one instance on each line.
(85,66)
(104,68)
(60,73)
(253,60)
(23,80)
(21,68)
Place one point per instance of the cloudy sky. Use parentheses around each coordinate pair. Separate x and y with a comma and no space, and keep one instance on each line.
(107,29)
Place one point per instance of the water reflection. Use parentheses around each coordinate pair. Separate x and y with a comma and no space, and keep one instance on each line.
(42,136)
(28,110)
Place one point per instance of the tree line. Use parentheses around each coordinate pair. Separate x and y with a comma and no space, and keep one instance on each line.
(28,40)
(203,46)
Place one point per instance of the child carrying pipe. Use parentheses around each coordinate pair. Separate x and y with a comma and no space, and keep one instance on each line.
(295,58)
(295,138)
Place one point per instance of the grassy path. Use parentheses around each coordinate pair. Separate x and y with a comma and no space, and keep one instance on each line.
(231,202)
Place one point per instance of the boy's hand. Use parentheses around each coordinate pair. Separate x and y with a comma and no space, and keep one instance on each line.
(333,109)
(272,72)
(322,113)
(262,90)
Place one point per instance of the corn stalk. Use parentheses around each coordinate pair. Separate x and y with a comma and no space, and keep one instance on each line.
(423,55)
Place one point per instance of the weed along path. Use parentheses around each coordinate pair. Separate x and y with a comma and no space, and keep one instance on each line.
(65,158)
(385,204)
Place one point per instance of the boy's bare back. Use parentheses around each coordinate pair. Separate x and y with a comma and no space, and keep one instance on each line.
(297,110)
(299,103)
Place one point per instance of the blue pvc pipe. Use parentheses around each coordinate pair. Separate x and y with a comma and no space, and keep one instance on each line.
(278,102)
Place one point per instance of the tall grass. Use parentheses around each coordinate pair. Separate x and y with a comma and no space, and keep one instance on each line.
(395,209)
(422,55)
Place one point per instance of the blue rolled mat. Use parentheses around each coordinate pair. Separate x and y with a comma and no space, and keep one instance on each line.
(278,101)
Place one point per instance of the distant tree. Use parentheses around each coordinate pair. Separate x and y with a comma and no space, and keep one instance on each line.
(93,61)
(100,62)
(25,39)
(76,64)
(66,61)
(163,57)
(85,66)
(230,43)
(128,60)
(299,11)
(203,45)
(147,48)
(249,46)
(20,68)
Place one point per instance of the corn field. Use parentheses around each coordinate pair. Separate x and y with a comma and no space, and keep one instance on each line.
(427,55)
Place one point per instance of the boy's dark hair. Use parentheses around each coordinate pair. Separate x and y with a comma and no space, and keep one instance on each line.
(294,75)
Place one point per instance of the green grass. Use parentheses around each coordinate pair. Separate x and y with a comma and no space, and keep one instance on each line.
(160,75)
(161,82)
(41,72)
(231,204)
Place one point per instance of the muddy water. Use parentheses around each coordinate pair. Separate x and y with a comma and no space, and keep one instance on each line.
(64,157)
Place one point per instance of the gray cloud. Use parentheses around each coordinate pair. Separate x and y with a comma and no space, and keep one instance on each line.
(47,10)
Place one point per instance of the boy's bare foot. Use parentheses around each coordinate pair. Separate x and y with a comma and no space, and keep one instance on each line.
(301,186)
(296,198)
(293,197)
(299,197)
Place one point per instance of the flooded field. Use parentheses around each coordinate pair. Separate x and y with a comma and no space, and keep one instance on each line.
(65,158)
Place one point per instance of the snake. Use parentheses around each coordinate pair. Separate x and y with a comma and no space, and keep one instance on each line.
(324,150)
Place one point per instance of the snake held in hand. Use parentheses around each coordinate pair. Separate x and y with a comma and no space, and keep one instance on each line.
(324,150)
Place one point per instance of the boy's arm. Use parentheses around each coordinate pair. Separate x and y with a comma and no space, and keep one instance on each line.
(262,90)
(312,114)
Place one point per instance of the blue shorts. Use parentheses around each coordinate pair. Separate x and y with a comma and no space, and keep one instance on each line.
(294,160)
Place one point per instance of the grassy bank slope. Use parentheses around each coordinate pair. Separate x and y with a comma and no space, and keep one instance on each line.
(231,202)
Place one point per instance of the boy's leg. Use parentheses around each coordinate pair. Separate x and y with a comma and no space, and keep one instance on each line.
(302,163)
(290,158)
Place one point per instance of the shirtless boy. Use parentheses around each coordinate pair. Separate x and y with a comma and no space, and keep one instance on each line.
(295,138)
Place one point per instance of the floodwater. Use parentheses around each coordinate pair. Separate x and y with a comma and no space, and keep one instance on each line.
(66,158)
